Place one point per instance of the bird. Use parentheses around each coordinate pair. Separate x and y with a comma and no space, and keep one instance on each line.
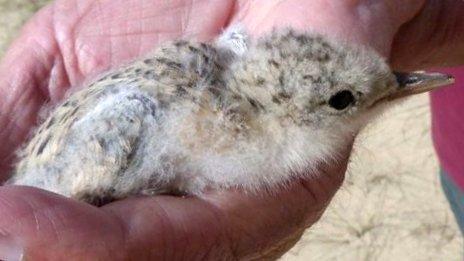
(236,112)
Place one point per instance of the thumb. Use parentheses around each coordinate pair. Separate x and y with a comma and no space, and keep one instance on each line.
(41,225)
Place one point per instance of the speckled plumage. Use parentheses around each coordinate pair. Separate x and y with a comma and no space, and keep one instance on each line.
(233,113)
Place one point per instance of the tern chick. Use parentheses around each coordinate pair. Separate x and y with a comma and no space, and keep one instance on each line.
(238,112)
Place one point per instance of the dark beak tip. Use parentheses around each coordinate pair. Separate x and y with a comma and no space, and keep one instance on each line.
(419,82)
(423,78)
(450,78)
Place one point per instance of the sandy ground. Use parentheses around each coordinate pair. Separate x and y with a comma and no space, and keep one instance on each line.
(391,206)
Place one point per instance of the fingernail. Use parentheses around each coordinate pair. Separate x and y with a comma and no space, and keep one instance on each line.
(10,250)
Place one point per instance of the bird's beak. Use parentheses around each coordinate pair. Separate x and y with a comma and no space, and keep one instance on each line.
(418,82)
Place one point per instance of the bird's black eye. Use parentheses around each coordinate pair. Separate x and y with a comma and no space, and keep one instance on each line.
(341,100)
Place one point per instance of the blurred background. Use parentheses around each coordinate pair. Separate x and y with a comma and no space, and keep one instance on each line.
(391,206)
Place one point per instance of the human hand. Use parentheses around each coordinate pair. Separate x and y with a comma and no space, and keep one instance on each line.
(73,40)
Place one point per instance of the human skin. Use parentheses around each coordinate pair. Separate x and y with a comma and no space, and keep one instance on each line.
(71,41)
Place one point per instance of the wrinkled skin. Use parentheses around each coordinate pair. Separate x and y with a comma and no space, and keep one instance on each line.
(71,41)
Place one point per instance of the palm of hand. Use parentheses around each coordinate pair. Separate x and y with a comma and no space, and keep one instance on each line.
(76,39)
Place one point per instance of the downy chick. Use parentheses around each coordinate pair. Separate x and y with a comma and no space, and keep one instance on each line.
(234,113)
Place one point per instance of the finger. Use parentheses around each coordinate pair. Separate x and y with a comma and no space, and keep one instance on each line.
(39,225)
(371,23)
(45,226)
(437,35)
(228,225)
(23,74)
